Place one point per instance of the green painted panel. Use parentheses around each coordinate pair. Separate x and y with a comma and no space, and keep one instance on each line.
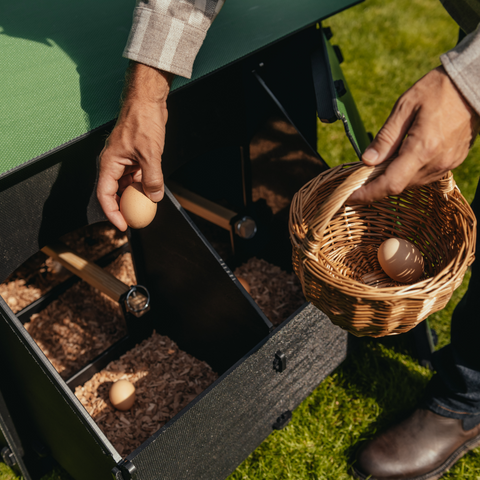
(244,26)
(62,69)
(61,72)
(346,108)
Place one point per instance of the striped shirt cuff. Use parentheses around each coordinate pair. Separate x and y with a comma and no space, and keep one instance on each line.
(169,40)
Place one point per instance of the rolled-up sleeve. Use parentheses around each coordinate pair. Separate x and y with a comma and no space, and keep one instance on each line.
(462,65)
(167,34)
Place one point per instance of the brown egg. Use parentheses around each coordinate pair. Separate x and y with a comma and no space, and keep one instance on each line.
(401,260)
(245,284)
(137,209)
(122,395)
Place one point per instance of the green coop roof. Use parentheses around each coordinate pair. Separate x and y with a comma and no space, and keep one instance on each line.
(62,68)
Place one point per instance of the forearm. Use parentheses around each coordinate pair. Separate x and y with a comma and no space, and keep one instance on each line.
(145,84)
(164,41)
(133,151)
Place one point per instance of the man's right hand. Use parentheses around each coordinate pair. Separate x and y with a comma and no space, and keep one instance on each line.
(133,151)
(429,132)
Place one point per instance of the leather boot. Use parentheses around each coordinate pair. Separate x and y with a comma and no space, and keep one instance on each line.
(422,447)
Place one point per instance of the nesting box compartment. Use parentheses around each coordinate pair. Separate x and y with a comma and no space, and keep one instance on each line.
(264,371)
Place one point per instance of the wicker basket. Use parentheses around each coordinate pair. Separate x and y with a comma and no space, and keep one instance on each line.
(335,249)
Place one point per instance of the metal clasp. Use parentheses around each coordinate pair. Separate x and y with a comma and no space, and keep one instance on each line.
(8,457)
(137,301)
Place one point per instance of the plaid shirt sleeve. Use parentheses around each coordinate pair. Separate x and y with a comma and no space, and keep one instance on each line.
(167,34)
(462,64)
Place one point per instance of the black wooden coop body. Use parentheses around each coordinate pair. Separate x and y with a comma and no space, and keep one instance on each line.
(261,60)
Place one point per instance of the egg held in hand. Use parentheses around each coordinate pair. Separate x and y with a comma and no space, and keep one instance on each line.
(122,395)
(137,209)
(401,260)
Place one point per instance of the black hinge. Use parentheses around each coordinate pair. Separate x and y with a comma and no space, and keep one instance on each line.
(283,420)
(280,362)
(338,53)
(125,470)
(327,31)
(117,474)
(340,88)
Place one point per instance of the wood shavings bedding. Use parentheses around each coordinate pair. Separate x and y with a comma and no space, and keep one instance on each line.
(166,380)
(276,292)
(81,323)
(40,273)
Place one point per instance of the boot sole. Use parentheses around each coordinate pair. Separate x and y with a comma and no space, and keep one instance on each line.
(439,471)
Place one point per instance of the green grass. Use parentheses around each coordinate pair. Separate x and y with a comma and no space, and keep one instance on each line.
(387,46)
(6,473)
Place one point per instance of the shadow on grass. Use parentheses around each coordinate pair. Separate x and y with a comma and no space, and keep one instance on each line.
(384,371)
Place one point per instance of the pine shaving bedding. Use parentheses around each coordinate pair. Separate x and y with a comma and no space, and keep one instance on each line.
(276,292)
(39,273)
(81,323)
(166,380)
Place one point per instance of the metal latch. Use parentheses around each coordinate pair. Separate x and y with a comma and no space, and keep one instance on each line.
(8,457)
(280,362)
(245,228)
(283,420)
(137,301)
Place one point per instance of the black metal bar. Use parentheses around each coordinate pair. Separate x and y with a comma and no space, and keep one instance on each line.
(287,116)
(322,80)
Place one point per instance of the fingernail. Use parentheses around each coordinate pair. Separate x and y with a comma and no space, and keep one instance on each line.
(155,196)
(370,154)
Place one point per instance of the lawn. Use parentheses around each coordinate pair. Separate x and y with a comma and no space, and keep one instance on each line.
(387,46)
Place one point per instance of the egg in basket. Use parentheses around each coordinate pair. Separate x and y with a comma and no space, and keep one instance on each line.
(335,249)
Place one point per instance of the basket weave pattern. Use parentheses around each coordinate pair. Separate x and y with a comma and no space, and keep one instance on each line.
(335,249)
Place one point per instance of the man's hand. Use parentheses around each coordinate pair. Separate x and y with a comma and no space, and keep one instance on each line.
(133,151)
(439,126)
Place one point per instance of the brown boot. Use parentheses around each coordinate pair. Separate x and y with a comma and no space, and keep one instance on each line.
(422,447)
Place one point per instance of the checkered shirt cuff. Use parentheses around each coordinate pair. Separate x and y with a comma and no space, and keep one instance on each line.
(167,34)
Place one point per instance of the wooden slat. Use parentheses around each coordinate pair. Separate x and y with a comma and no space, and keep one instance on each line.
(202,207)
(88,271)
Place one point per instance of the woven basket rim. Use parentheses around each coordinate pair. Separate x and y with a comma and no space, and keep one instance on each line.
(334,248)
(439,282)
